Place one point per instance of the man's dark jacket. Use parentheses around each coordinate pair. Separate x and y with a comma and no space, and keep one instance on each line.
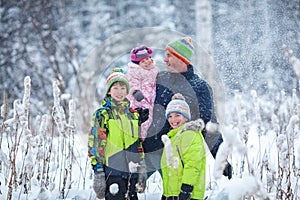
(198,95)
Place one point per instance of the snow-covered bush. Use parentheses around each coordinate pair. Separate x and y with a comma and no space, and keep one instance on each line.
(38,157)
(43,157)
(260,141)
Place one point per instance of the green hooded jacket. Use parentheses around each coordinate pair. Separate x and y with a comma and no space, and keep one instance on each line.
(187,164)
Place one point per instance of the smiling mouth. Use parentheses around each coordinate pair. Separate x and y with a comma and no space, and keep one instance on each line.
(175,124)
(149,66)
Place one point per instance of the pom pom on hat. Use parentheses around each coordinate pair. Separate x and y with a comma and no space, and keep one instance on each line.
(140,53)
(117,74)
(182,48)
(178,105)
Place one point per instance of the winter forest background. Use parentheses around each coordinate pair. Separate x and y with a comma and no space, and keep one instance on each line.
(55,55)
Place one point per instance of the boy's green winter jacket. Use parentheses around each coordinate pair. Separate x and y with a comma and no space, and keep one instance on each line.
(114,138)
(187,164)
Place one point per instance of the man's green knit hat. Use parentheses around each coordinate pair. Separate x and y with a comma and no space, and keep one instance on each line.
(182,49)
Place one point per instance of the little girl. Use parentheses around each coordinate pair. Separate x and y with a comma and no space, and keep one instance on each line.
(184,158)
(142,80)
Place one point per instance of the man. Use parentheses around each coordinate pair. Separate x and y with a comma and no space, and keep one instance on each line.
(179,78)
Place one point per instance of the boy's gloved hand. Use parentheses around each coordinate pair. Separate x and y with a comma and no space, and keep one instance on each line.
(144,114)
(186,191)
(97,168)
(228,171)
(99,183)
(138,95)
(142,178)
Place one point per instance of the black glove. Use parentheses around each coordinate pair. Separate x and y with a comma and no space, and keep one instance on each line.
(144,114)
(138,95)
(228,170)
(142,178)
(186,191)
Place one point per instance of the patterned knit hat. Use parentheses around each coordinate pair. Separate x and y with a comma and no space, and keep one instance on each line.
(182,49)
(116,75)
(178,105)
(140,53)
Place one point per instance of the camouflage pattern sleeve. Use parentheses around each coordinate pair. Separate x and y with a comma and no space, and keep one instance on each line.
(97,139)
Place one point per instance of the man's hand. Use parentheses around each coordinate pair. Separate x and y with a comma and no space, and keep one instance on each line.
(144,114)
(228,171)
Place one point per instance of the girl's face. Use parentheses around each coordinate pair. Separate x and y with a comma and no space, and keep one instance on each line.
(147,63)
(174,64)
(118,91)
(175,120)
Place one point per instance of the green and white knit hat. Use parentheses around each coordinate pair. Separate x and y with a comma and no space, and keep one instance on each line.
(116,75)
(182,49)
(178,105)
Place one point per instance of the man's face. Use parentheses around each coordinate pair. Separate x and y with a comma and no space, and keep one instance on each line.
(174,64)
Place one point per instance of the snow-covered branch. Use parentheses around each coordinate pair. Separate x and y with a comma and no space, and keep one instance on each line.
(72,107)
(58,112)
(26,99)
(295,62)
(169,150)
(231,141)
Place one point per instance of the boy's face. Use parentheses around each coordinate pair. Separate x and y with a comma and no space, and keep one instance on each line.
(175,120)
(118,91)
(146,64)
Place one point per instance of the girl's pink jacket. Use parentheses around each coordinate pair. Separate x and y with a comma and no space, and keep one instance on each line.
(145,81)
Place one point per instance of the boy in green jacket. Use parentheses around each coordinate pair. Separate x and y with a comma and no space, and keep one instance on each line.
(114,143)
(183,160)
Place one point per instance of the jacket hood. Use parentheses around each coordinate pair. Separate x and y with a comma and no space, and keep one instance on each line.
(131,64)
(196,125)
(122,107)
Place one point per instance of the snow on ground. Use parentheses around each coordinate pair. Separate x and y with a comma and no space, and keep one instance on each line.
(82,174)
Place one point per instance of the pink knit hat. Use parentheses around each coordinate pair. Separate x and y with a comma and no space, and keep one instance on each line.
(140,53)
